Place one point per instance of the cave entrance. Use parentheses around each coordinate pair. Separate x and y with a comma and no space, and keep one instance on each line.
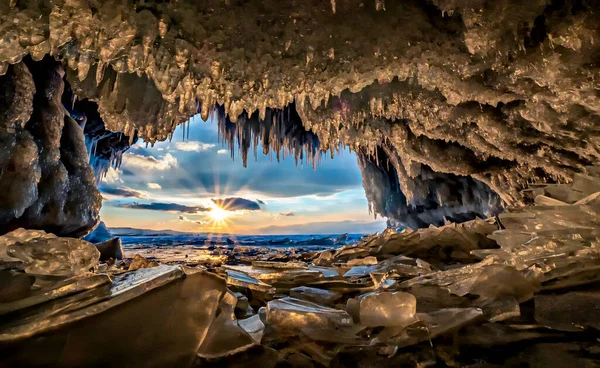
(196,183)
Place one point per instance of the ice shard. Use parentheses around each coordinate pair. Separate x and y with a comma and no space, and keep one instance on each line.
(291,313)
(319,296)
(53,256)
(387,309)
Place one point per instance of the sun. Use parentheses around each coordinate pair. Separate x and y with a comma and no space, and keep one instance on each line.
(218,214)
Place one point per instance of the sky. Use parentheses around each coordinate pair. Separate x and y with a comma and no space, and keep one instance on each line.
(194,185)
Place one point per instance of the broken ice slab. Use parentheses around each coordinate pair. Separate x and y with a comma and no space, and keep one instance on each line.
(19,236)
(490,334)
(338,335)
(360,271)
(536,219)
(431,298)
(56,290)
(327,272)
(344,285)
(111,248)
(324,259)
(430,325)
(585,184)
(573,311)
(591,199)
(181,254)
(254,327)
(161,328)
(289,313)
(278,277)
(43,254)
(542,200)
(561,192)
(458,280)
(496,310)
(69,309)
(237,278)
(225,336)
(401,266)
(449,242)
(382,308)
(498,281)
(14,286)
(140,262)
(556,259)
(366,261)
(319,296)
(280,265)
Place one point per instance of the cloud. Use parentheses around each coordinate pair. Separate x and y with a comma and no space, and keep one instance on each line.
(122,192)
(113,176)
(236,204)
(193,146)
(286,214)
(149,162)
(166,207)
(222,152)
(186,219)
(154,186)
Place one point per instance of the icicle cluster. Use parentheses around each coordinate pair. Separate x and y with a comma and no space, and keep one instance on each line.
(280,132)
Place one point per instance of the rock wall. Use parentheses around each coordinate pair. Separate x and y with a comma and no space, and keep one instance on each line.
(45,178)
(456,94)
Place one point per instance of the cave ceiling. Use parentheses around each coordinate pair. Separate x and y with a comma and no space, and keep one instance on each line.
(453,106)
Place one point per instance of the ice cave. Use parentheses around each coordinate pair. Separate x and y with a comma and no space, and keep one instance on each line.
(475,125)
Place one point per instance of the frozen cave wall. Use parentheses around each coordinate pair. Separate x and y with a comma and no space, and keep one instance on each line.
(453,106)
(45,178)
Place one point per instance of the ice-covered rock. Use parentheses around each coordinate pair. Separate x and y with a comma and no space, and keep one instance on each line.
(46,254)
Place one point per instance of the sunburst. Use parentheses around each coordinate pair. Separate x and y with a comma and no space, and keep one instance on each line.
(218,214)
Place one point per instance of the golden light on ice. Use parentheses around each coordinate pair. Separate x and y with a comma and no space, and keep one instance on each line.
(218,214)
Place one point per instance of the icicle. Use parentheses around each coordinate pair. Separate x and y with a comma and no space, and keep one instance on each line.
(100,72)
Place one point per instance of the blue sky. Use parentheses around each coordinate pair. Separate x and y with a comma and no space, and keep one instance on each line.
(194,185)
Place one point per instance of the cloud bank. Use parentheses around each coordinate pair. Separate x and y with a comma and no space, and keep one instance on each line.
(236,204)
(165,207)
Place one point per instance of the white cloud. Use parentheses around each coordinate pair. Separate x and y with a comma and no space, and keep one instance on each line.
(149,162)
(193,146)
(187,219)
(222,151)
(154,186)
(112,176)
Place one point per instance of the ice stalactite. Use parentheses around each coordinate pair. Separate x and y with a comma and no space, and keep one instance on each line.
(428,197)
(105,148)
(415,198)
(281,132)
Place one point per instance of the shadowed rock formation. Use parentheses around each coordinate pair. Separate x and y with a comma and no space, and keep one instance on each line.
(454,106)
(45,179)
